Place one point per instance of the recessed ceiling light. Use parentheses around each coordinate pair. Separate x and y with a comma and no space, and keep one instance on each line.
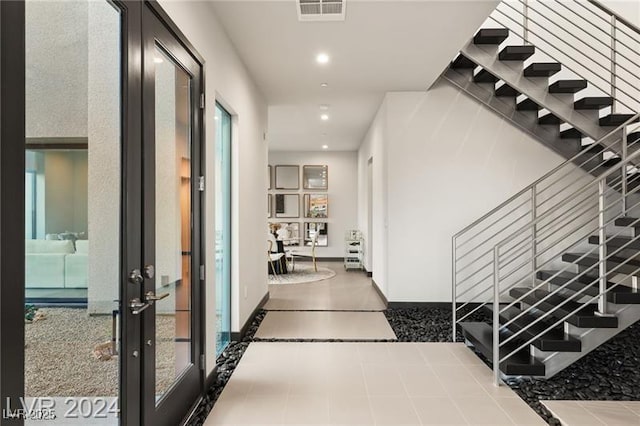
(158,60)
(325,146)
(324,117)
(324,107)
(322,58)
(324,84)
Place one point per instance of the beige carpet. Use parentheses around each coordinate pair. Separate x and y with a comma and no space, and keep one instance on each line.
(59,355)
(302,273)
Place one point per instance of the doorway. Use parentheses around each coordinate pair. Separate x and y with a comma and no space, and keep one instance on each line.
(110,212)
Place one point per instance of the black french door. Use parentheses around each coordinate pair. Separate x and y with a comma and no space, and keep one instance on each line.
(129,123)
(170,274)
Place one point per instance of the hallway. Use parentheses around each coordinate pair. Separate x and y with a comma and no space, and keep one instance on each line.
(359,381)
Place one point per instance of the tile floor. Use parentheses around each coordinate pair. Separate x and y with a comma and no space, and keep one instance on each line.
(366,384)
(347,291)
(587,413)
(343,325)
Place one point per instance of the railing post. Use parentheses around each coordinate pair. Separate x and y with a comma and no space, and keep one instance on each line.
(454,281)
(496,316)
(613,62)
(623,170)
(525,21)
(602,251)
(534,235)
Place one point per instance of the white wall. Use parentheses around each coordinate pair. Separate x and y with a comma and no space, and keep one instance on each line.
(374,147)
(342,192)
(228,81)
(445,160)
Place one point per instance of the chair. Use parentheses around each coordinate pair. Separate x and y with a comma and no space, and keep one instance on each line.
(295,253)
(273,257)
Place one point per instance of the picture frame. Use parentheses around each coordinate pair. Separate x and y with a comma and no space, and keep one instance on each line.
(287,177)
(316,206)
(315,177)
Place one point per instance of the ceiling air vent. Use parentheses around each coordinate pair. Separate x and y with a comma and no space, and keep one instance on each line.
(321,10)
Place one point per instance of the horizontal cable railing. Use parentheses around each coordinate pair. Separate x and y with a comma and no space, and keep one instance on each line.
(473,246)
(522,243)
(586,38)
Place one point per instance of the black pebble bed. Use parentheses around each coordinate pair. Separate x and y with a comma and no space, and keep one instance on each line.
(611,372)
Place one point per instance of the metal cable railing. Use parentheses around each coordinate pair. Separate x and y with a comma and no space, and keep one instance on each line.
(531,231)
(586,37)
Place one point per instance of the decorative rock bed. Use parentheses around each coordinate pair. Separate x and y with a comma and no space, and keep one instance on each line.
(611,372)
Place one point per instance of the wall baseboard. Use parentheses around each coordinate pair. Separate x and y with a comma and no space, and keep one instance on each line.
(393,305)
(238,336)
(380,293)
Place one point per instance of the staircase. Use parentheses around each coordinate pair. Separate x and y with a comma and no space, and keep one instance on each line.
(556,266)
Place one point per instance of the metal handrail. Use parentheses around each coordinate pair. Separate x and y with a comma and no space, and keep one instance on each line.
(611,84)
(611,13)
(520,225)
(540,268)
(544,177)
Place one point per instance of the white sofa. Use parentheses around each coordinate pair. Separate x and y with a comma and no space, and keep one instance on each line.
(75,266)
(55,264)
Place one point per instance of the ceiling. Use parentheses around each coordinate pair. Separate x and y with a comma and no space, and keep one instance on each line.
(381,46)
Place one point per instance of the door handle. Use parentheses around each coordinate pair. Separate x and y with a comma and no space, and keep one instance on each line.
(137,306)
(151,297)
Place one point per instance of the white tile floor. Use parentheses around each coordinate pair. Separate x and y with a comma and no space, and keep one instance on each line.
(587,413)
(347,291)
(365,384)
(325,325)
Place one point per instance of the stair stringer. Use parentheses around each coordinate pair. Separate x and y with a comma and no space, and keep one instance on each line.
(486,56)
(591,339)
(547,135)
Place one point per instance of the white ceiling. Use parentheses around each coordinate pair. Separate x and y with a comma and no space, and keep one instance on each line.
(381,46)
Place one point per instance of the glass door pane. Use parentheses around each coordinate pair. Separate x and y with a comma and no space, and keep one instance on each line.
(173,182)
(223,228)
(73,209)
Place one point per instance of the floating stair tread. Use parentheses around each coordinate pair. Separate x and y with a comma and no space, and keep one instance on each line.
(484,76)
(584,318)
(528,105)
(571,133)
(631,243)
(578,282)
(462,62)
(630,266)
(551,340)
(595,148)
(506,91)
(480,334)
(633,137)
(549,119)
(516,53)
(587,285)
(568,86)
(612,161)
(593,103)
(628,221)
(542,69)
(491,36)
(616,119)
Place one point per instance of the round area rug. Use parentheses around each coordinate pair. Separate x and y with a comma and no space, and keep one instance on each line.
(302,274)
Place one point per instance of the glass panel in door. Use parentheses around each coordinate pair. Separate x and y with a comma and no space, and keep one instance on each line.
(223,228)
(173,238)
(73,210)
